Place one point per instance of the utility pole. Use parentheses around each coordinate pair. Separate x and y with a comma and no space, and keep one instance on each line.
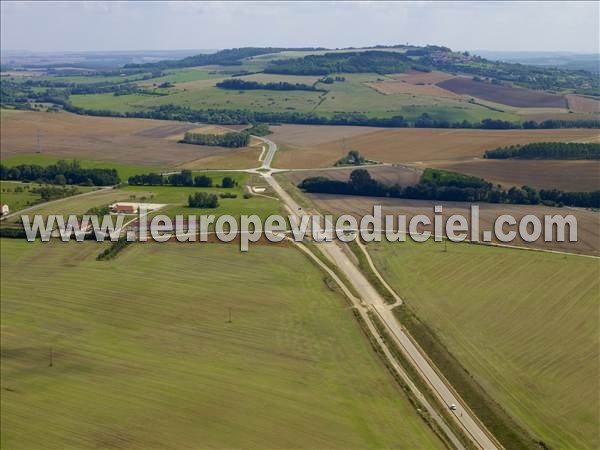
(229,321)
(445,245)
(51,357)
(39,144)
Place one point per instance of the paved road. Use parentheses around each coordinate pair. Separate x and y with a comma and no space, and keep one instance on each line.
(463,417)
(268,160)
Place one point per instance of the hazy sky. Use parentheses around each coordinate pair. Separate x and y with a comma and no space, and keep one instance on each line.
(60,26)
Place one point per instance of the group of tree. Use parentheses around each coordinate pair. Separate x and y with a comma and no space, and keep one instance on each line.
(61,173)
(243,85)
(245,116)
(184,178)
(331,80)
(345,62)
(52,192)
(203,200)
(449,186)
(233,139)
(228,57)
(353,158)
(547,150)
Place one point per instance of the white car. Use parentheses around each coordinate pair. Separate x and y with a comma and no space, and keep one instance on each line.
(453,407)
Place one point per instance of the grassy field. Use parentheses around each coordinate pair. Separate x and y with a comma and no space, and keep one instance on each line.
(143,355)
(353,95)
(17,195)
(177,197)
(523,324)
(77,205)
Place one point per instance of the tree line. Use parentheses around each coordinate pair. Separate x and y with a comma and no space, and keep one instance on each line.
(61,173)
(243,85)
(232,140)
(347,62)
(228,57)
(185,178)
(244,116)
(203,200)
(547,150)
(443,185)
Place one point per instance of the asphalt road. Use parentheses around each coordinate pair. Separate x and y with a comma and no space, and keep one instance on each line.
(463,416)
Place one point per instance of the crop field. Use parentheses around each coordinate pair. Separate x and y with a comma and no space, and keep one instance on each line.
(540,174)
(141,142)
(403,176)
(525,325)
(276,78)
(508,95)
(416,77)
(291,369)
(579,103)
(309,135)
(204,97)
(417,144)
(588,222)
(352,95)
(238,158)
(401,87)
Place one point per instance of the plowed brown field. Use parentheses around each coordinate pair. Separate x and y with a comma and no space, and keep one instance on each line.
(123,140)
(413,144)
(588,222)
(540,174)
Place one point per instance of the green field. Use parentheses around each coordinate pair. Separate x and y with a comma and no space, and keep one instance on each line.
(177,197)
(352,95)
(524,324)
(124,170)
(143,355)
(18,195)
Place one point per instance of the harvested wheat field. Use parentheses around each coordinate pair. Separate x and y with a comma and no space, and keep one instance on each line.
(123,140)
(309,135)
(588,222)
(404,176)
(540,174)
(416,77)
(506,95)
(400,87)
(579,103)
(401,145)
(238,158)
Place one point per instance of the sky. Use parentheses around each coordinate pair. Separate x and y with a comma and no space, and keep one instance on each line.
(154,25)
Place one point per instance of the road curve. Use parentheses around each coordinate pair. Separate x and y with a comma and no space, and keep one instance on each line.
(463,416)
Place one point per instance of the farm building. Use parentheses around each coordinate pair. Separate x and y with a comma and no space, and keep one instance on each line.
(124,208)
(4,209)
